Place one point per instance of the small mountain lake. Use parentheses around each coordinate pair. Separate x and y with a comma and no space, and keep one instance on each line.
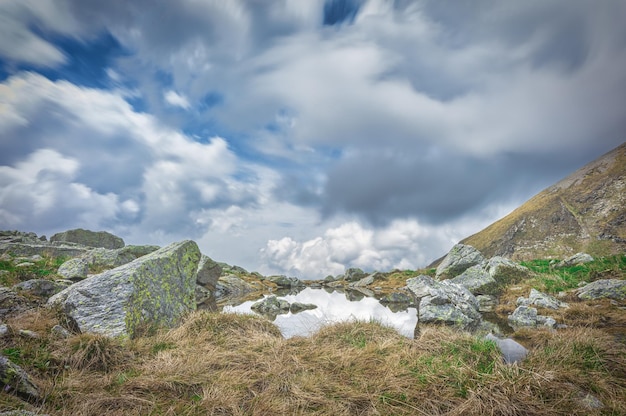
(334,306)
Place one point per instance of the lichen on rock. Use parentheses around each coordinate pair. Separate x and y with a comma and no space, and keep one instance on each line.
(153,291)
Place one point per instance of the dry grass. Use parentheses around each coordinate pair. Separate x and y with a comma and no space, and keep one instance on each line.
(228,364)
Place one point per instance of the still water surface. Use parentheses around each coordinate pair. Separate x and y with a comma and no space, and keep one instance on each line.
(334,307)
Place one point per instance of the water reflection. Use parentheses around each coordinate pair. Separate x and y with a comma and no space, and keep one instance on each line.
(335,306)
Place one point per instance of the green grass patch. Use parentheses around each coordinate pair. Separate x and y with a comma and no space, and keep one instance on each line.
(558,279)
(40,269)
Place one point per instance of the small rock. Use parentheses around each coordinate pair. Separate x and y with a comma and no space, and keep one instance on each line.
(232,285)
(14,378)
(297,307)
(284,281)
(60,332)
(591,402)
(366,281)
(25,265)
(523,316)
(75,269)
(546,321)
(28,334)
(541,300)
(578,258)
(512,351)
(12,303)
(4,330)
(396,297)
(486,303)
(271,307)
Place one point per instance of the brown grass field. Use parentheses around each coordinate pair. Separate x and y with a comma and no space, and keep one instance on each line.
(229,364)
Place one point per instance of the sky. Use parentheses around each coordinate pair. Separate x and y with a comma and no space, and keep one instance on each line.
(300,137)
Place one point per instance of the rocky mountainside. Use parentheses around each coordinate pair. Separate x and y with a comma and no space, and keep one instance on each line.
(584,212)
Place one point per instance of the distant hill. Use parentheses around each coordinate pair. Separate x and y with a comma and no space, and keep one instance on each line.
(584,212)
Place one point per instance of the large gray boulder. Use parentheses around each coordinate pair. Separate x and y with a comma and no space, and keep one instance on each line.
(444,302)
(477,280)
(102,258)
(89,238)
(152,291)
(354,274)
(605,288)
(505,271)
(232,285)
(460,258)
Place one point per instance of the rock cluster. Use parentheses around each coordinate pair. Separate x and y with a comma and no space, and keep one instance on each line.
(136,286)
(472,287)
(272,306)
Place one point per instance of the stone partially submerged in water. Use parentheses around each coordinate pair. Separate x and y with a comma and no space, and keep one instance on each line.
(512,351)
(444,302)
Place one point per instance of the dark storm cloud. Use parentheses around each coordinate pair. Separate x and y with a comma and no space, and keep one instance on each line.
(435,188)
(439,187)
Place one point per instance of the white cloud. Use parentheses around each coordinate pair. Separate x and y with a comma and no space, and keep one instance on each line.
(41,191)
(176,100)
(350,245)
(152,177)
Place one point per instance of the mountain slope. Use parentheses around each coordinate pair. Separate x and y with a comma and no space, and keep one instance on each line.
(584,212)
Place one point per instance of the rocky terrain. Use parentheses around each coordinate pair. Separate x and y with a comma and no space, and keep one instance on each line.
(585,212)
(88,293)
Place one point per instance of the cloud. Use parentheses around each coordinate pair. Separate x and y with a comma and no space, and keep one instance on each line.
(137,172)
(350,245)
(41,192)
(176,100)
